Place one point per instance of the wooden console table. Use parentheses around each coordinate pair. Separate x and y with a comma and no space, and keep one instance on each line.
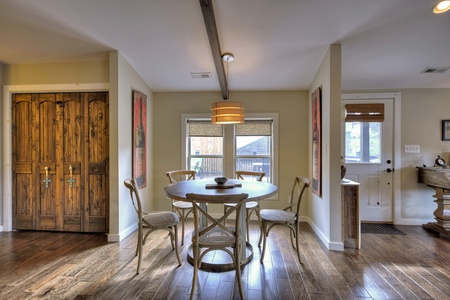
(351,223)
(439,180)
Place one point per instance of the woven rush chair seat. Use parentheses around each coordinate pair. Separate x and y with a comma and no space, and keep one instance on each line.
(217,238)
(182,205)
(277,215)
(151,222)
(161,219)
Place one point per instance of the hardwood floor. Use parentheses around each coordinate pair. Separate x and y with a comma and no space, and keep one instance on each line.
(36,265)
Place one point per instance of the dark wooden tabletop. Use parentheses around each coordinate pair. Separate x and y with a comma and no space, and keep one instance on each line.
(255,190)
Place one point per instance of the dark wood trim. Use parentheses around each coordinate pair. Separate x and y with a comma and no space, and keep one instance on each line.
(213,36)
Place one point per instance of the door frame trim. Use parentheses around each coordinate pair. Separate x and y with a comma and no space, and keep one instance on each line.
(8,90)
(397,99)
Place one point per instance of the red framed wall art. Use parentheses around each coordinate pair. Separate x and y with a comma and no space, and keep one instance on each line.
(139,138)
(316,110)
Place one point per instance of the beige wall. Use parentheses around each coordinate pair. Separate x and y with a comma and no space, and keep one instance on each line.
(292,109)
(124,79)
(56,73)
(325,211)
(422,112)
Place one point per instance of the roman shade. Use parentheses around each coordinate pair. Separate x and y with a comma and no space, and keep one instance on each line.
(254,128)
(370,112)
(204,128)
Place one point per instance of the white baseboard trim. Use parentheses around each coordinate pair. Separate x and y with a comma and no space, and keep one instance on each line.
(330,245)
(413,222)
(123,234)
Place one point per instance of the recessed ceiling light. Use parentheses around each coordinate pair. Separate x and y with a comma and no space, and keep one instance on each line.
(441,7)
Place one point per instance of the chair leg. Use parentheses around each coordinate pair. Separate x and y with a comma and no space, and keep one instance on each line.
(183,219)
(292,236)
(264,227)
(225,208)
(262,233)
(247,221)
(173,241)
(137,244)
(195,275)
(259,225)
(175,229)
(195,251)
(237,264)
(297,231)
(139,249)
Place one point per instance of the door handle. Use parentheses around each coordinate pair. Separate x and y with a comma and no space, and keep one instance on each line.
(389,170)
(71,180)
(46,180)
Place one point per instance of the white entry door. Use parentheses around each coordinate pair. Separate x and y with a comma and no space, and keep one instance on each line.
(368,150)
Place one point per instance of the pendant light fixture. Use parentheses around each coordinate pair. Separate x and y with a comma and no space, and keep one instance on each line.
(442,6)
(227,112)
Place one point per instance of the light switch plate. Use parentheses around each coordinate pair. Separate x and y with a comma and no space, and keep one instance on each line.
(412,148)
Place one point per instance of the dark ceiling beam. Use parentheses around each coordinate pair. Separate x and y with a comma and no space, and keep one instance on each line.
(211,30)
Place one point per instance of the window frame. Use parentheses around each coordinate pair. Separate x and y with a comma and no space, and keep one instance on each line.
(261,156)
(189,154)
(229,142)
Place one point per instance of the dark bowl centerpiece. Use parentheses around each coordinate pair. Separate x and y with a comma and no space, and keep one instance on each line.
(220,180)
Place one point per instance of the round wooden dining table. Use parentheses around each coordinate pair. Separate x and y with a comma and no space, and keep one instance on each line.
(256,191)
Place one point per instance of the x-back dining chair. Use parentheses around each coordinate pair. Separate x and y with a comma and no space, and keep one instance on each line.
(181,207)
(288,216)
(252,206)
(215,235)
(152,221)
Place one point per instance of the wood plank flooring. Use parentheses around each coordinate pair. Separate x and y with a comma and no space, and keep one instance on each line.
(44,265)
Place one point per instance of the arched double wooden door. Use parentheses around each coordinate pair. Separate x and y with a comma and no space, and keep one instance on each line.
(60,160)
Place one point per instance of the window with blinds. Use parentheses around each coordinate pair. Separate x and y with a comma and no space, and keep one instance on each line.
(208,147)
(253,151)
(205,148)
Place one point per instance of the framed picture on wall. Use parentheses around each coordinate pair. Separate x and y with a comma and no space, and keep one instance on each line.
(316,117)
(139,138)
(446,130)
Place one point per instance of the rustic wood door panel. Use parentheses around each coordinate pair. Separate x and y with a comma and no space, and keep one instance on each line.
(73,148)
(58,138)
(49,130)
(97,158)
(24,156)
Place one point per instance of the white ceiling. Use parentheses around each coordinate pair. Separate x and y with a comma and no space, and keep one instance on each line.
(277,44)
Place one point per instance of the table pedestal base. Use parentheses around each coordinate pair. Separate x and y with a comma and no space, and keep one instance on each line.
(219,261)
(442,212)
